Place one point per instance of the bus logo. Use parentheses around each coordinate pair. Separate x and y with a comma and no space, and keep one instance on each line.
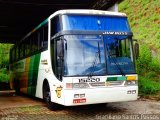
(58,91)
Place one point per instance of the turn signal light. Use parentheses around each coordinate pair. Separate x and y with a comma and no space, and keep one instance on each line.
(131,78)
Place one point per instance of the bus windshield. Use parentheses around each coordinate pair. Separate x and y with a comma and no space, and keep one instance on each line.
(84,55)
(97,55)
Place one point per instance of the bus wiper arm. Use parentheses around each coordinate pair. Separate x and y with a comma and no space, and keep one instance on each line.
(94,63)
(117,65)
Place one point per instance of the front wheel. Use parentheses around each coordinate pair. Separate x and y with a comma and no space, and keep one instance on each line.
(47,98)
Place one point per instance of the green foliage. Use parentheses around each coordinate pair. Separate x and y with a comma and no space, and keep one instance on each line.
(148,86)
(4,62)
(151,75)
(144,59)
(4,75)
(155,65)
(4,55)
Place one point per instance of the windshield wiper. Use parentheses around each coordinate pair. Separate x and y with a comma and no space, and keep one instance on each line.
(94,63)
(115,62)
(117,65)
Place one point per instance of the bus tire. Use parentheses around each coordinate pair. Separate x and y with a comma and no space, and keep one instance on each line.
(16,86)
(47,97)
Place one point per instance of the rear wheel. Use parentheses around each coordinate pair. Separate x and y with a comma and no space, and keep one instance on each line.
(47,98)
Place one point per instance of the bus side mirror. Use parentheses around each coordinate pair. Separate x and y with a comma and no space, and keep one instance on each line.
(136,48)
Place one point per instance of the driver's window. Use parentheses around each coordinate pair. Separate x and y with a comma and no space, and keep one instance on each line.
(59,58)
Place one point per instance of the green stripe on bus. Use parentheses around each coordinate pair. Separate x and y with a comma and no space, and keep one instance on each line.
(121,78)
(111,78)
(33,74)
(116,78)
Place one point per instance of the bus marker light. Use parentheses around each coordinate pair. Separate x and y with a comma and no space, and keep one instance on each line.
(83,100)
(131,77)
(68,85)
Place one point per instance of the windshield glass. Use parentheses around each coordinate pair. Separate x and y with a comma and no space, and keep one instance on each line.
(119,55)
(84,55)
(97,55)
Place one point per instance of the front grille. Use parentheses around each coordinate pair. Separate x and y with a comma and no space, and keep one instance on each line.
(97,84)
(107,83)
(114,83)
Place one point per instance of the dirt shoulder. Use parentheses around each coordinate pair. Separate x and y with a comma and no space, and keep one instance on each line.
(30,108)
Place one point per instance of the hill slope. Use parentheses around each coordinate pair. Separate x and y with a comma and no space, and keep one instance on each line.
(144,18)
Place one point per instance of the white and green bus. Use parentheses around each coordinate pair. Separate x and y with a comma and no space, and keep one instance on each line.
(77,57)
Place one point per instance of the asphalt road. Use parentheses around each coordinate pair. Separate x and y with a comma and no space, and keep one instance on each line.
(13,107)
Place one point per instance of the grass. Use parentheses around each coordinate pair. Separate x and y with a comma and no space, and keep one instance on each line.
(148,86)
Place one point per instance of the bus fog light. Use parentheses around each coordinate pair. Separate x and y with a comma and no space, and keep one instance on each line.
(76,95)
(133,82)
(131,92)
(82,95)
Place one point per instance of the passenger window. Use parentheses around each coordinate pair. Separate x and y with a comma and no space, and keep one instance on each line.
(43,37)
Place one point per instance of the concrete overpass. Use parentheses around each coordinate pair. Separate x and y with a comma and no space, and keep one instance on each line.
(18,17)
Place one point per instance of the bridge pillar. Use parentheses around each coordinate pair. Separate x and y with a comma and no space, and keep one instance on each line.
(113,8)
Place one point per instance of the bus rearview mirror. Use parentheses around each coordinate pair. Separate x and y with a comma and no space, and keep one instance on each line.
(136,48)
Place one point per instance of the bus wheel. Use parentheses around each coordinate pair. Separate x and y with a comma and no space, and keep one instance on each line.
(47,98)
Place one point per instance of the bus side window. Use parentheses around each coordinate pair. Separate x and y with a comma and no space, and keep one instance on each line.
(40,38)
(12,55)
(52,55)
(34,42)
(43,37)
(27,46)
(20,50)
(17,53)
(59,58)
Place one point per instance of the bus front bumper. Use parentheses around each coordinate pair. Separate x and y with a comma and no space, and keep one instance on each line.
(75,97)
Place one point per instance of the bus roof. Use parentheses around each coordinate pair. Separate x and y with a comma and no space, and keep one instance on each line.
(87,12)
(77,11)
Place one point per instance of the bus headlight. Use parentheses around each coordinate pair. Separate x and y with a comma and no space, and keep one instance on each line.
(131,83)
(80,85)
(77,85)
(76,95)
